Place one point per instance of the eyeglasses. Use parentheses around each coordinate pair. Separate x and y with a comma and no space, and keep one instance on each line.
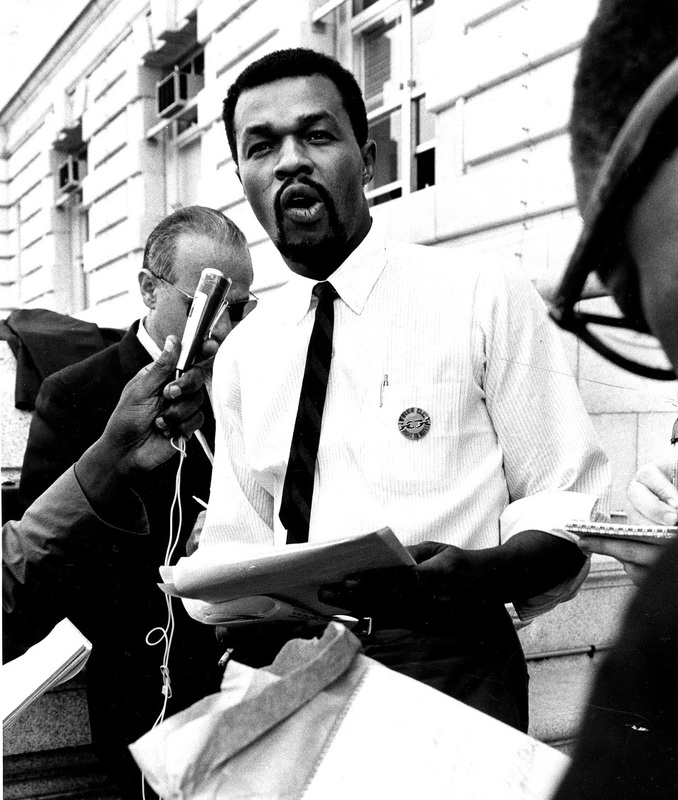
(646,139)
(621,337)
(617,339)
(237,309)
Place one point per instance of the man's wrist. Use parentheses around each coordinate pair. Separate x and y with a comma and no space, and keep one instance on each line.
(527,565)
(102,478)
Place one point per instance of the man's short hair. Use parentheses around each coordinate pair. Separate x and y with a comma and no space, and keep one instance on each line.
(628,44)
(161,244)
(298,62)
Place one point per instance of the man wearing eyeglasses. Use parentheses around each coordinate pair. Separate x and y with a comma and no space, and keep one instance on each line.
(625,158)
(615,154)
(73,407)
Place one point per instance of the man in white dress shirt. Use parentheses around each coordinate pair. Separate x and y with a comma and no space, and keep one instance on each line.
(463,352)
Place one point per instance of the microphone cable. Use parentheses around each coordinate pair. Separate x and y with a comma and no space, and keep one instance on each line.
(164,634)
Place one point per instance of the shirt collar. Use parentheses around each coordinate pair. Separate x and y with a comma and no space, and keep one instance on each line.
(353,280)
(146,342)
(155,352)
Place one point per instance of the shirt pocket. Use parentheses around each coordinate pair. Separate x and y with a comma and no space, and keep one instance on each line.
(416,435)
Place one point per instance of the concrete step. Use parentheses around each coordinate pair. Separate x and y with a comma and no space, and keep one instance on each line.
(565,647)
(559,690)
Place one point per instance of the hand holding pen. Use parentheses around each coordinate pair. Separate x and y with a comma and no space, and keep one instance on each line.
(652,499)
(652,495)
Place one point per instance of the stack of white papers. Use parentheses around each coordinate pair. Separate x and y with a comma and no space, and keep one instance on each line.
(291,573)
(55,659)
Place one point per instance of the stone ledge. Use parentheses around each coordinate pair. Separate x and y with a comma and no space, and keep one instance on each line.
(587,622)
(559,689)
(57,720)
(71,773)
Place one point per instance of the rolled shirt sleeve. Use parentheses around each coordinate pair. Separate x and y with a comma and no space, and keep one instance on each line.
(550,511)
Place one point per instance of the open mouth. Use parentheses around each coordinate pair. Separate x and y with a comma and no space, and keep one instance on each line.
(301,203)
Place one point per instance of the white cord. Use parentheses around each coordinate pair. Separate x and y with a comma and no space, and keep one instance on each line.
(165,634)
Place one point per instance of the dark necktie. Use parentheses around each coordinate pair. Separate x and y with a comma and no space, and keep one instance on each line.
(295,508)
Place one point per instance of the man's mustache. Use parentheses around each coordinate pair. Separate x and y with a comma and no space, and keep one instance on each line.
(302,180)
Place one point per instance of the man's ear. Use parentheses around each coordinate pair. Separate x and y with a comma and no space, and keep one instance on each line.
(369,154)
(148,285)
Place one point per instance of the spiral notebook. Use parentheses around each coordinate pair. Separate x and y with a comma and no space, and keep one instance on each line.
(634,533)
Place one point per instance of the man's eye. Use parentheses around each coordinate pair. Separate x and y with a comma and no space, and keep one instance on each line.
(258,147)
(319,136)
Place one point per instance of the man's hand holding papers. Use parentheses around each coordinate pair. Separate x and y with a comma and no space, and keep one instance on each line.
(292,574)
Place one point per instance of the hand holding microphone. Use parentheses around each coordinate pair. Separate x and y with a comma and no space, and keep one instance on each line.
(208,304)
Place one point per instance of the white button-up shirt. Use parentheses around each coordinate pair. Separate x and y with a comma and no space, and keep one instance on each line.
(470,346)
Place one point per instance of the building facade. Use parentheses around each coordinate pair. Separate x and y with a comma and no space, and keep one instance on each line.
(468,102)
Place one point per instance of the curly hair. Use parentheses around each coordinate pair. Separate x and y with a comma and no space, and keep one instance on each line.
(297,62)
(628,44)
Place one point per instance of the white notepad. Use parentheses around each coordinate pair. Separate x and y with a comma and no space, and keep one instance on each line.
(55,659)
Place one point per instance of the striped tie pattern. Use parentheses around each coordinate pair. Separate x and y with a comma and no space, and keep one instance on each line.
(295,508)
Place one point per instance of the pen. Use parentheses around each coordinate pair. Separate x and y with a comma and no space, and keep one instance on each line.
(384,384)
(198,500)
(223,661)
(203,443)
(674,445)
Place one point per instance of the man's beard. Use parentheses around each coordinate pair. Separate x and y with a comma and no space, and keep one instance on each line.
(313,251)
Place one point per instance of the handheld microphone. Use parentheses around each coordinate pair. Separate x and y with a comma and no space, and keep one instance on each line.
(206,308)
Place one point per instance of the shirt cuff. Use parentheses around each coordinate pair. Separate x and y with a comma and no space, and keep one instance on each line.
(549,511)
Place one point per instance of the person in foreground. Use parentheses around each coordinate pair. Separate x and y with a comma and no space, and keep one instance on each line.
(74,404)
(449,416)
(124,681)
(71,539)
(625,157)
(76,527)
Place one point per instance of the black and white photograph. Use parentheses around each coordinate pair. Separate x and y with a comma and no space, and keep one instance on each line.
(339,423)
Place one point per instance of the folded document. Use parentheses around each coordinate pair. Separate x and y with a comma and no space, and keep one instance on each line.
(292,574)
(55,659)
(257,609)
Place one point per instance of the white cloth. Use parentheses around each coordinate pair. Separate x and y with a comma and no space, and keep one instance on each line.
(321,724)
(471,346)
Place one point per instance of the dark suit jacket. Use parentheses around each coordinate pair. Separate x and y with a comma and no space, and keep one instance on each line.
(122,602)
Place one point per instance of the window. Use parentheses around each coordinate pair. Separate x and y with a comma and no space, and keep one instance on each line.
(70,277)
(177,129)
(387,45)
(177,92)
(78,230)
